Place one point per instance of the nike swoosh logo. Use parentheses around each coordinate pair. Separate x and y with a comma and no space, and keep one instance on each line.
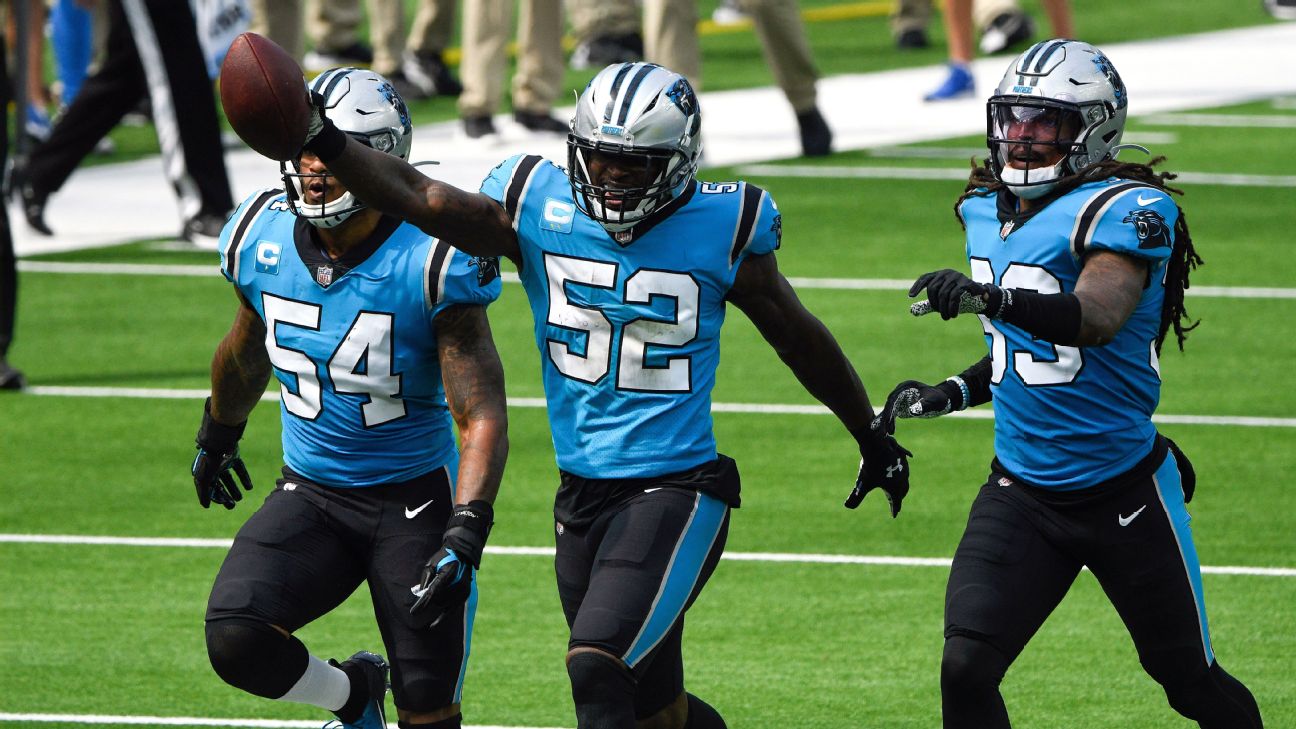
(1125,520)
(649,491)
(1148,201)
(411,513)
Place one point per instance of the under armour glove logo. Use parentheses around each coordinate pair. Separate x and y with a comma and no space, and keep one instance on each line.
(883,465)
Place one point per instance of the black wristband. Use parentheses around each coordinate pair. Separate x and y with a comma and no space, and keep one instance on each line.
(467,530)
(1055,318)
(217,437)
(329,143)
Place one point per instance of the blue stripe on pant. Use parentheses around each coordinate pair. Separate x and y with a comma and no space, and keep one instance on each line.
(681,575)
(1170,491)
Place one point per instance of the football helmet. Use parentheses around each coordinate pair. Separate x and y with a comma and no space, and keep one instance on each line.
(1059,97)
(642,112)
(367,108)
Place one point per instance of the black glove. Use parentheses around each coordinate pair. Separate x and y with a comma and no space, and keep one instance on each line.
(914,399)
(951,293)
(448,574)
(217,457)
(323,138)
(884,464)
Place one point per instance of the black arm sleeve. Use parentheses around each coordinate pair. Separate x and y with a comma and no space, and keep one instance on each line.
(1055,318)
(977,379)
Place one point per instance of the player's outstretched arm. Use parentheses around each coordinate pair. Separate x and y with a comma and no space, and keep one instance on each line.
(470,221)
(812,353)
(474,386)
(240,371)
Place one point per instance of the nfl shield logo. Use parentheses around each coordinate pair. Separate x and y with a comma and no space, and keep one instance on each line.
(324,275)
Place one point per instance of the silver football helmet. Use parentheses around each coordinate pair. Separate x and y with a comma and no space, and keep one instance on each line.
(640,111)
(365,106)
(1058,97)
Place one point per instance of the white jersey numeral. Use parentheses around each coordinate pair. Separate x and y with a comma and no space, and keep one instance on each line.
(1066,361)
(361,365)
(636,336)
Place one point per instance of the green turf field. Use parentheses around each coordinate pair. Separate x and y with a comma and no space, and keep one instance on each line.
(92,630)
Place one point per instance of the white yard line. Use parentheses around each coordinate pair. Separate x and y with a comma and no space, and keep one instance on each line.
(1241,121)
(158,393)
(772,557)
(861,284)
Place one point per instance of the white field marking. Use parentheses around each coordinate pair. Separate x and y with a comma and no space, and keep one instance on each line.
(963,153)
(148,393)
(960,173)
(854,284)
(185,721)
(1285,103)
(776,557)
(1245,121)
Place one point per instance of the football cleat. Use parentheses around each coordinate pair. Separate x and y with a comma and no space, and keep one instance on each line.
(373,671)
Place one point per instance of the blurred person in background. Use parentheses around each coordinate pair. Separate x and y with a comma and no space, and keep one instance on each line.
(1079,265)
(671,39)
(958,82)
(1003,24)
(379,337)
(423,61)
(536,83)
(606,32)
(334,27)
(154,51)
(10,377)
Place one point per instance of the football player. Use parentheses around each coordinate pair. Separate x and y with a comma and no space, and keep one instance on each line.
(1078,268)
(378,335)
(628,263)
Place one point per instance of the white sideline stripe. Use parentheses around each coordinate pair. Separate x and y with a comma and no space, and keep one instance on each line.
(185,721)
(152,393)
(963,153)
(777,557)
(718,407)
(961,174)
(856,284)
(1246,121)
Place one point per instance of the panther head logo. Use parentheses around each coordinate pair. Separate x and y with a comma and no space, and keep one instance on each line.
(487,268)
(1150,227)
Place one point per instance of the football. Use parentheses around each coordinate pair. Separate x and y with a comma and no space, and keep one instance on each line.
(263,93)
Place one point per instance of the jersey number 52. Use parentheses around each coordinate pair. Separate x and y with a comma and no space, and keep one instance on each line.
(632,371)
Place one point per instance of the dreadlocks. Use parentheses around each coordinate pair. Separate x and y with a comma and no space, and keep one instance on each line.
(1183,258)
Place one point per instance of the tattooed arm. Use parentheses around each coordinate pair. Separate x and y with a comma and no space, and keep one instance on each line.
(474,386)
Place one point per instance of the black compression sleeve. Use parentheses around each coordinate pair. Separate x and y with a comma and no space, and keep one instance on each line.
(329,143)
(977,379)
(1055,318)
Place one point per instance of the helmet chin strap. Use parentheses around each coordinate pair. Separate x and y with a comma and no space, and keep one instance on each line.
(1042,180)
(315,214)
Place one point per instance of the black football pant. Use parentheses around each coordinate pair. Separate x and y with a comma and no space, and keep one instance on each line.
(1018,558)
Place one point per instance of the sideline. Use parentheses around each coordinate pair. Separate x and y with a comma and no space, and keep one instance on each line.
(771,557)
(189,721)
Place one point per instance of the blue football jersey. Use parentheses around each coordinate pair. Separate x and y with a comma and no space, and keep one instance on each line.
(1070,417)
(353,341)
(629,334)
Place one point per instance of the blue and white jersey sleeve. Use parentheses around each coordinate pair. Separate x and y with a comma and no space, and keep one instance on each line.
(463,279)
(765,233)
(1128,218)
(496,184)
(236,238)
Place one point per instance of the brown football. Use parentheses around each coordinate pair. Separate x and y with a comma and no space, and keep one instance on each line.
(263,93)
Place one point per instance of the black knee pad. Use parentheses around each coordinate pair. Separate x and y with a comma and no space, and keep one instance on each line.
(971,665)
(603,690)
(255,657)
